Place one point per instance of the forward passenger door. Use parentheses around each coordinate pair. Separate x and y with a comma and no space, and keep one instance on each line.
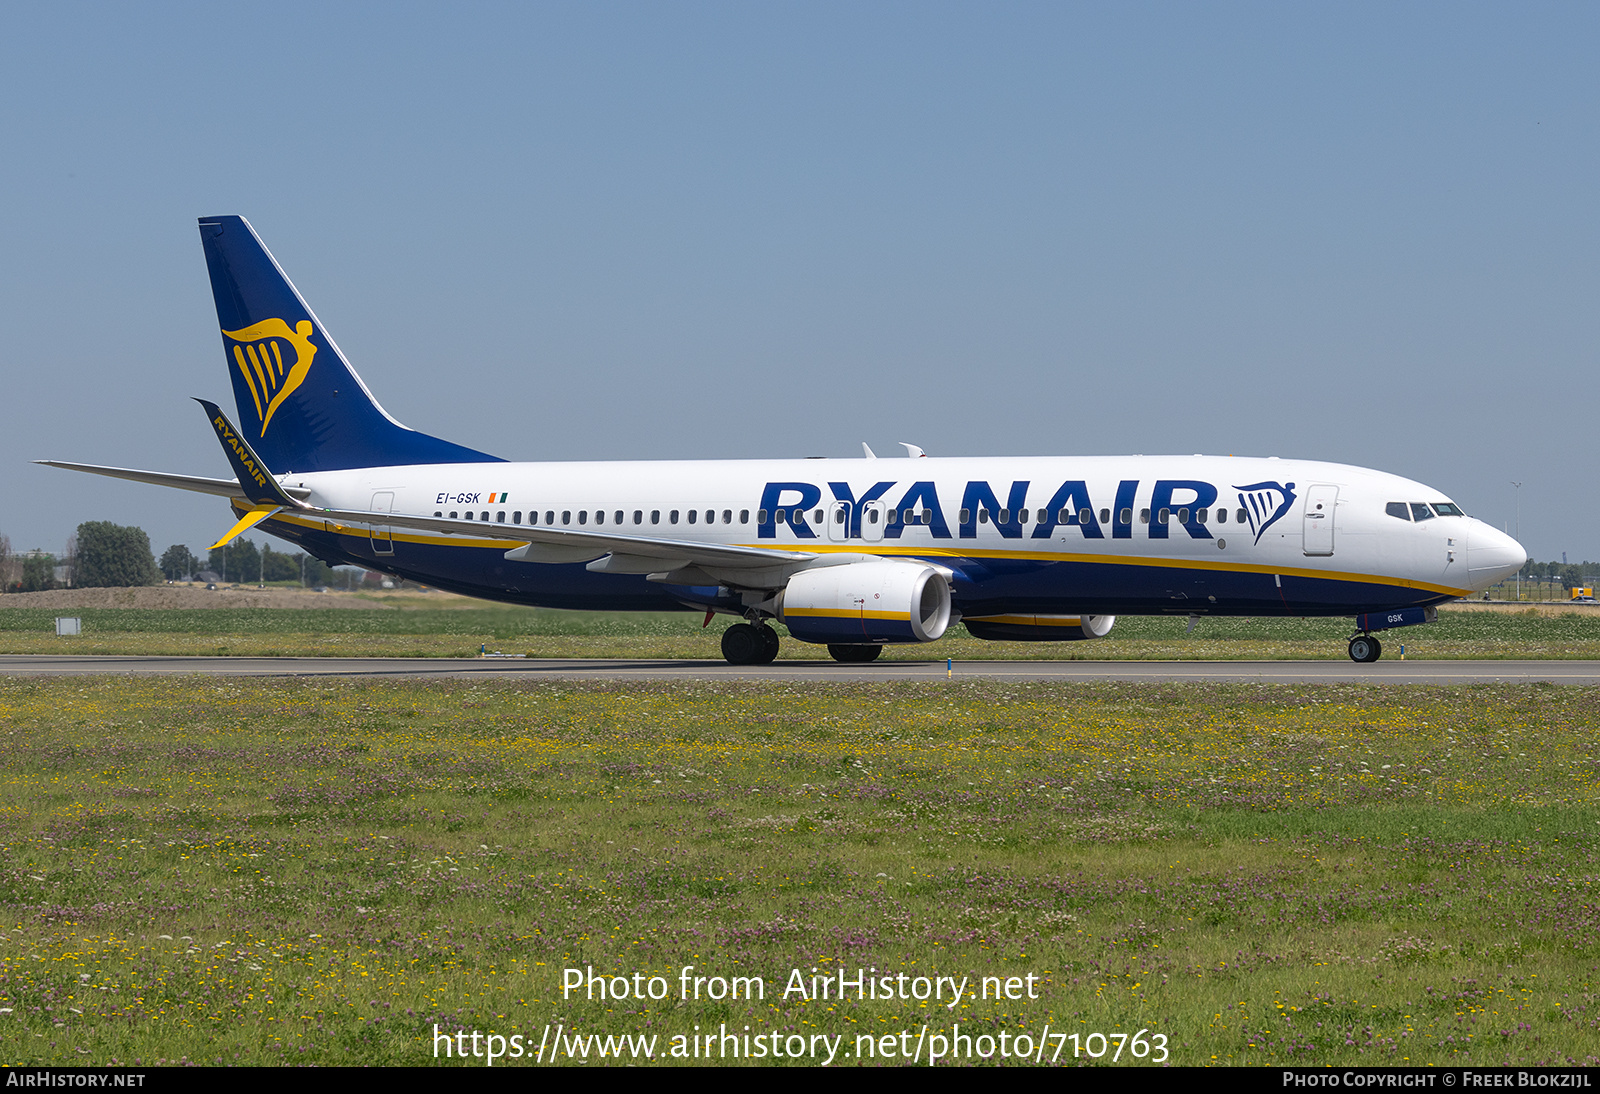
(1317,535)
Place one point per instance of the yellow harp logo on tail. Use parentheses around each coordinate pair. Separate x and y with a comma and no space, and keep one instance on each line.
(259,353)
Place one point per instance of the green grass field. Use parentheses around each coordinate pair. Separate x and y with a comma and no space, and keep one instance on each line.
(460,632)
(327,872)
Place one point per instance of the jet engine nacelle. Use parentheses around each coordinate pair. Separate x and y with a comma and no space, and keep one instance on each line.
(1039,628)
(866,602)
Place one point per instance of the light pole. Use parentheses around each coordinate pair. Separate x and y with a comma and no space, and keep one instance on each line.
(1518,486)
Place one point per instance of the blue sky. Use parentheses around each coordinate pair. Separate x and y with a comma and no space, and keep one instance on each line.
(1364,233)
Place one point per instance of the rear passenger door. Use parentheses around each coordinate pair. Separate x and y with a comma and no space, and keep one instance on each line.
(382,536)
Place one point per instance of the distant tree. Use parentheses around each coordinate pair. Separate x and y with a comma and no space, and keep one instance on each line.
(238,561)
(280,565)
(38,572)
(318,572)
(1567,575)
(114,555)
(178,562)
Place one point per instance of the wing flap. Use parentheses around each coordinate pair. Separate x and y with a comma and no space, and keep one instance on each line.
(581,544)
(543,552)
(619,563)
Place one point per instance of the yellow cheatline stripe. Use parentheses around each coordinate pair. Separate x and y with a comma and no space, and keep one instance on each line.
(951,552)
(846,613)
(256,515)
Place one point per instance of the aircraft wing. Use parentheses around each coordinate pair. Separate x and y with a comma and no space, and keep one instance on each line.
(223,488)
(631,553)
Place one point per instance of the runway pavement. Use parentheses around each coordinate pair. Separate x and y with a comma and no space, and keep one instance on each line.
(1389,671)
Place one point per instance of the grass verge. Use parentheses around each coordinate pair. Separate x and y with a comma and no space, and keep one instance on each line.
(335,872)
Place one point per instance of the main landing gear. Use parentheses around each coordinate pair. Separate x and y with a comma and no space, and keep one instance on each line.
(1365,649)
(749,644)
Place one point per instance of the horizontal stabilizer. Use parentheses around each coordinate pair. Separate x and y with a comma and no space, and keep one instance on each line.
(222,488)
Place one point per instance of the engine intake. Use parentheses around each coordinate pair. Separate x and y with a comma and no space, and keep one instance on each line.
(866,602)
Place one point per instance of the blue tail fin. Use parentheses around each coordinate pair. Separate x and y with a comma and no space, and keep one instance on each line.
(301,405)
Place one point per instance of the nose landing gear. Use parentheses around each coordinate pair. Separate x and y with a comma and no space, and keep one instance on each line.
(1365,649)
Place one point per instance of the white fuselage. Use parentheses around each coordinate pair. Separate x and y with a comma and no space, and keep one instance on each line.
(1138,533)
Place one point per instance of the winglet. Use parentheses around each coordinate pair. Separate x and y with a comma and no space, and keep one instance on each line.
(260,488)
(255,516)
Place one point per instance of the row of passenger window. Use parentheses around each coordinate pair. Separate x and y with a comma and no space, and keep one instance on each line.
(600,516)
(908,516)
(1418,511)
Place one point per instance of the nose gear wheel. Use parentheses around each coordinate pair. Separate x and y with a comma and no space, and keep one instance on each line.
(1365,649)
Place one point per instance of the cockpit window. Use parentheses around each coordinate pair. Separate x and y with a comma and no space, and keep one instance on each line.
(1420,511)
(1447,509)
(1398,509)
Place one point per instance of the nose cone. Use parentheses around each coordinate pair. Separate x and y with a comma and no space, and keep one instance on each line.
(1492,556)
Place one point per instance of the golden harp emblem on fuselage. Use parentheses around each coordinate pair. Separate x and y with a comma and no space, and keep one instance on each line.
(259,355)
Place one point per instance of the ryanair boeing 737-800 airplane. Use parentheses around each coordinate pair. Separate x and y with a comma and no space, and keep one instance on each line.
(849,553)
